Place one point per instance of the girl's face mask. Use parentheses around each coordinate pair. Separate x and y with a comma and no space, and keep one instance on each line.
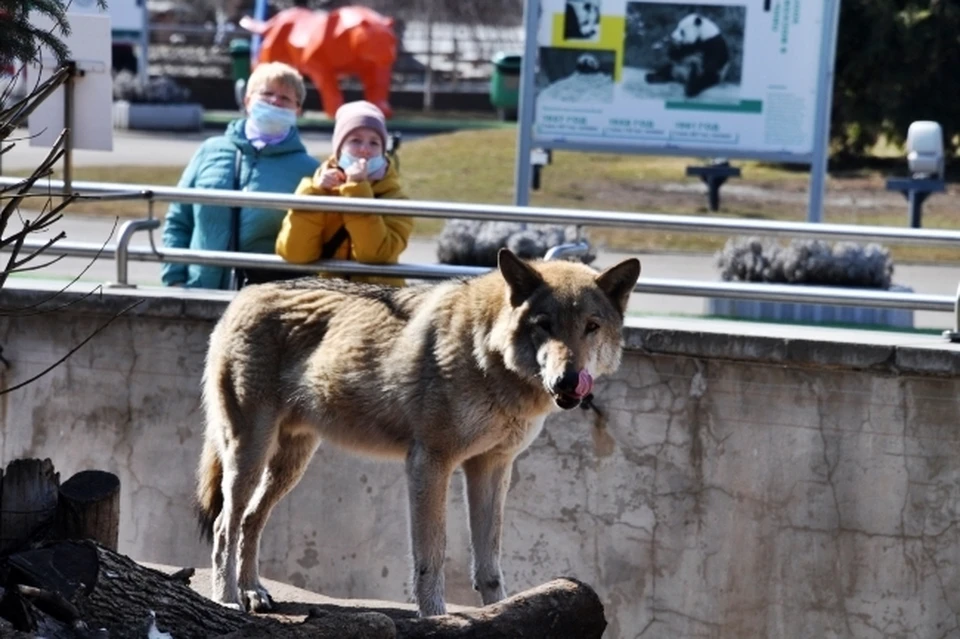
(374,164)
(270,120)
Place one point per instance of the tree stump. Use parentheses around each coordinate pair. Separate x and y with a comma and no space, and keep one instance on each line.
(90,508)
(28,501)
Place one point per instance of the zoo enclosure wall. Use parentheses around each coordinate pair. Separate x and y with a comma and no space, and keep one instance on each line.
(741,472)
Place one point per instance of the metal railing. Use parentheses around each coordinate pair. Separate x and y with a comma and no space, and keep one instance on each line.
(122,252)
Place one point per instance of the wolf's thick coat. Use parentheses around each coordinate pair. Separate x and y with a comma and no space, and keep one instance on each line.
(456,374)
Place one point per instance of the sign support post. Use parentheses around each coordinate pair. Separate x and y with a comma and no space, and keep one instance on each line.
(525,112)
(821,140)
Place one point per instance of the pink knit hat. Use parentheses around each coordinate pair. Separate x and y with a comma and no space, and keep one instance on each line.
(354,115)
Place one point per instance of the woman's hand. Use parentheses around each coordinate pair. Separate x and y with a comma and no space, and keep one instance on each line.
(328,178)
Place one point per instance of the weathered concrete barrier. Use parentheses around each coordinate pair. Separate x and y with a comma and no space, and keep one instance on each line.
(751,480)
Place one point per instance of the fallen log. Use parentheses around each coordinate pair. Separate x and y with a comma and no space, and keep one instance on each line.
(113,592)
(559,608)
(80,589)
(353,625)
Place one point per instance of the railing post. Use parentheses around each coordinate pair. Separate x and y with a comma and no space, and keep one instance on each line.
(563,251)
(123,244)
(954,335)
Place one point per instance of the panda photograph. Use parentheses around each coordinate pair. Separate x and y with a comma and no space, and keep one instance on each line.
(576,75)
(683,51)
(581,20)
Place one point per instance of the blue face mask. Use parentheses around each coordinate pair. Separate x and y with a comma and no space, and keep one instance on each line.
(271,121)
(373,164)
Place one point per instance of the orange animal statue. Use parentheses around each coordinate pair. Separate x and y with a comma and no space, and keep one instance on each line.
(325,45)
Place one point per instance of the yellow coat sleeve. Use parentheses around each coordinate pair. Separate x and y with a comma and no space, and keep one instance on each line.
(301,236)
(377,239)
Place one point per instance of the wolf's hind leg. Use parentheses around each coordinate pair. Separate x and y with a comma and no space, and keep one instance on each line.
(487,481)
(428,479)
(286,467)
(245,453)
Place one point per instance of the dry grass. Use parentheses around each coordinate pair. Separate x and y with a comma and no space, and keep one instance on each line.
(478,166)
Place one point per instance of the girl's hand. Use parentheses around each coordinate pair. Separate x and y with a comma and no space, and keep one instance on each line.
(328,178)
(357,172)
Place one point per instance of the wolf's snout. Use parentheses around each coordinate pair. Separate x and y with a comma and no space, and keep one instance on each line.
(571,388)
(567,384)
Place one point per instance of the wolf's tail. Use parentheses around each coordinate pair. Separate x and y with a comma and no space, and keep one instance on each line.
(209,492)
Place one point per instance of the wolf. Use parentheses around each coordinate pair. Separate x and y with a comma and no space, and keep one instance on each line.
(456,374)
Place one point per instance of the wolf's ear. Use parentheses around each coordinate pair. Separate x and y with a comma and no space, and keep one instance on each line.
(521,278)
(618,282)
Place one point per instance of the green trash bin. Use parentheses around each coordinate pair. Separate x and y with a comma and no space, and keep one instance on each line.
(505,85)
(240,58)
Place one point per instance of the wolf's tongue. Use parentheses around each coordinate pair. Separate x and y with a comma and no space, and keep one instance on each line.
(584,384)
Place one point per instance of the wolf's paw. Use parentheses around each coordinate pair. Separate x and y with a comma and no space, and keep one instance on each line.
(258,599)
(492,592)
(433,607)
(232,606)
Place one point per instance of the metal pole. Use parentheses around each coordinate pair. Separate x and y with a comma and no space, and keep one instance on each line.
(821,126)
(507,213)
(143,69)
(68,127)
(525,113)
(260,13)
(428,78)
(123,246)
(915,202)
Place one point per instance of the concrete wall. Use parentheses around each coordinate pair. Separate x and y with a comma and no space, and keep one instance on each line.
(751,480)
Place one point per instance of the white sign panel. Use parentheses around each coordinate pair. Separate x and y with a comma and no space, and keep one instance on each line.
(89,45)
(732,78)
(125,15)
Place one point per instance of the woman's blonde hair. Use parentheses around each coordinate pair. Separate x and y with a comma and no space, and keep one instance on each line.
(267,72)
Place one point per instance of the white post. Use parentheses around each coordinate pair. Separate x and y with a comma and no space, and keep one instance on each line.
(525,112)
(428,80)
(821,127)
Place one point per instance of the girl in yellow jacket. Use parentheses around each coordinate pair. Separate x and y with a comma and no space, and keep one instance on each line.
(359,167)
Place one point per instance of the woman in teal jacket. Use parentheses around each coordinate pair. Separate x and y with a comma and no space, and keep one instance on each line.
(272,158)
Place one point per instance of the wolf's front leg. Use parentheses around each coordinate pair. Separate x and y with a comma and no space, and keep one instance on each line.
(488,478)
(428,479)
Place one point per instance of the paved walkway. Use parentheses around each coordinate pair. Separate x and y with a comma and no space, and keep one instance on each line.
(136,148)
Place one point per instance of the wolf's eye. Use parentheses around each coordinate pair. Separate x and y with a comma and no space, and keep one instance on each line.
(543,323)
(592,327)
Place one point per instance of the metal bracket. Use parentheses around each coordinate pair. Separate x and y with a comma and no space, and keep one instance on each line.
(539,158)
(123,244)
(714,175)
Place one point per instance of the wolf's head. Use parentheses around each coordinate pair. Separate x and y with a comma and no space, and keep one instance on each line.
(561,323)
